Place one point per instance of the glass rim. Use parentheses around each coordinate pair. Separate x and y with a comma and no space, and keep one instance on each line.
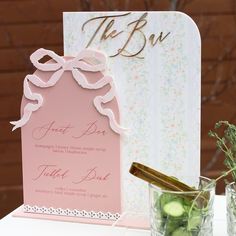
(210,188)
(229,187)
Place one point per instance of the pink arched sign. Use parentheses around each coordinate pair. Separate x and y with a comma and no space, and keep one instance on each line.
(71,137)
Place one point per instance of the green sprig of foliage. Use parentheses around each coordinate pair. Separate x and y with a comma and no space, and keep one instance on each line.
(227,144)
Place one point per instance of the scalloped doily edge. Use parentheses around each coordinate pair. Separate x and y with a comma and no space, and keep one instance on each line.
(72,213)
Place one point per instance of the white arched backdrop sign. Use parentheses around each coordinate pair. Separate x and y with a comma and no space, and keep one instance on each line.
(155,58)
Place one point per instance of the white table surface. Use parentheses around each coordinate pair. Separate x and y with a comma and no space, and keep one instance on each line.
(11,226)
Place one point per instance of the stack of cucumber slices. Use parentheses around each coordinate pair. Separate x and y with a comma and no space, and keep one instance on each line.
(177,216)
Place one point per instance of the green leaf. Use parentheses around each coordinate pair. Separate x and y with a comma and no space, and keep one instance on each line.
(226,143)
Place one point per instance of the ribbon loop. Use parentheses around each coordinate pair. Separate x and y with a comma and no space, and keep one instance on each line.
(40,53)
(86,60)
(90,60)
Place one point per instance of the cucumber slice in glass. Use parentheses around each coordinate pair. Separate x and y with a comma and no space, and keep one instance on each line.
(174,208)
(181,232)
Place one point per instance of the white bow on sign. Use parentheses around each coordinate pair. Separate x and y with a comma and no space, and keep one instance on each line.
(61,65)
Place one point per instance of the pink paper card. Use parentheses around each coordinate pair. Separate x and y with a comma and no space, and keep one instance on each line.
(70,138)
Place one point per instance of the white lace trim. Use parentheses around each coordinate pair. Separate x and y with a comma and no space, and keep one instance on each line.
(68,212)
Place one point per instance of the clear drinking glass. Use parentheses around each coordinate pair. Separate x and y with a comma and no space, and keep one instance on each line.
(231,208)
(182,213)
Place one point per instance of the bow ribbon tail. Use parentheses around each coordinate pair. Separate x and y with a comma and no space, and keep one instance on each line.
(109,96)
(109,113)
(30,107)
